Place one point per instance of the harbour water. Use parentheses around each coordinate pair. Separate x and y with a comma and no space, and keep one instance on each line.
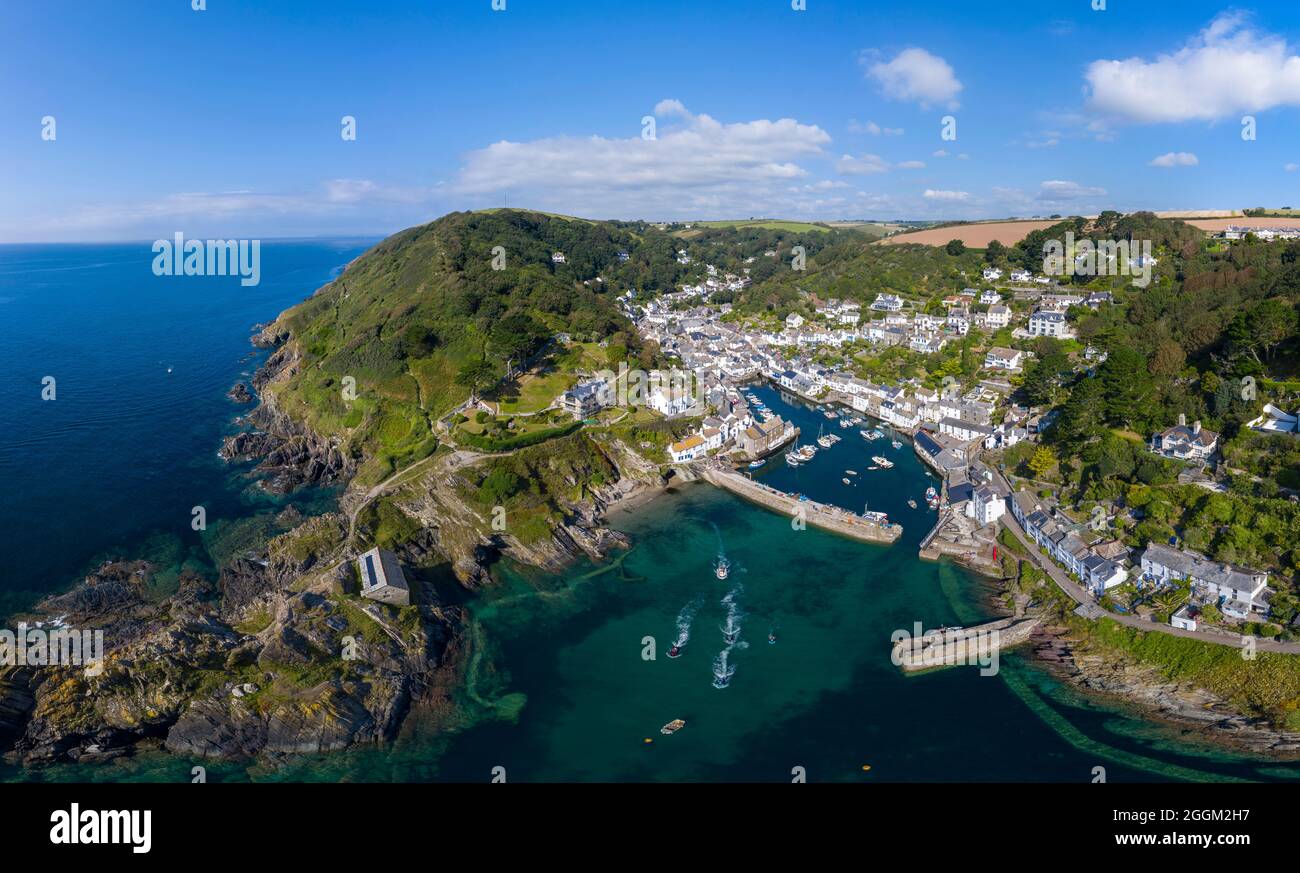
(569,674)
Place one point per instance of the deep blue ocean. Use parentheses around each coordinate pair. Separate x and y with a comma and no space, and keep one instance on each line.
(114,465)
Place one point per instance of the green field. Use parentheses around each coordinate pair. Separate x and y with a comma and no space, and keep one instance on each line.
(765,224)
(536,391)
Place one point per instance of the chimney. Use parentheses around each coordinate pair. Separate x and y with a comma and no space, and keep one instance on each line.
(1182,420)
(1196,428)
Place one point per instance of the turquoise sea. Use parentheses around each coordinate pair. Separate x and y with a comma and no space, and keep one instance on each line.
(570,675)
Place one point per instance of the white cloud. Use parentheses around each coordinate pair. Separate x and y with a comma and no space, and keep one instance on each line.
(874,129)
(1291,168)
(1226,69)
(939,153)
(1059,191)
(946,196)
(916,75)
(695,167)
(670,108)
(911,165)
(1175,159)
(863,165)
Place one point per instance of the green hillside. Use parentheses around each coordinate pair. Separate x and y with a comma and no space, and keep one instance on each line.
(422,318)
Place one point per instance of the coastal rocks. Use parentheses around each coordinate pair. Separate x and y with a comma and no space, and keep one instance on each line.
(1191,709)
(240,394)
(319,672)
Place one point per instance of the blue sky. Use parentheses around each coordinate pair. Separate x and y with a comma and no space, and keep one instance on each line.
(227,121)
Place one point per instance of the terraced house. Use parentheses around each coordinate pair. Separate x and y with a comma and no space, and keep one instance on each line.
(1237,591)
(1065,544)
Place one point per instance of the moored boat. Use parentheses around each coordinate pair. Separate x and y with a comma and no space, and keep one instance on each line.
(754,465)
(672,727)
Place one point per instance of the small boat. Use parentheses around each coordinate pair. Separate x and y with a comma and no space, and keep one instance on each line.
(730,637)
(851,472)
(722,569)
(896,444)
(675,652)
(672,727)
(792,460)
(911,503)
(873,467)
(930,493)
(847,481)
(754,465)
(771,638)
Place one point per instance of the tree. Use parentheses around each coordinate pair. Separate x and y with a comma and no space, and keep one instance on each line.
(1043,460)
(995,252)
(1126,384)
(955,247)
(476,376)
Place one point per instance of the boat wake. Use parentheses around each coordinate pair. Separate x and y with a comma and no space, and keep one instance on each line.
(684,620)
(722,670)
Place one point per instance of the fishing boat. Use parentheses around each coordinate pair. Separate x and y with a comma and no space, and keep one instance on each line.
(672,727)
(722,569)
(930,493)
(882,462)
(754,465)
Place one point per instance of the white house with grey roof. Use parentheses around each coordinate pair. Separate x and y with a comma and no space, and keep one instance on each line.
(1238,590)
(1185,443)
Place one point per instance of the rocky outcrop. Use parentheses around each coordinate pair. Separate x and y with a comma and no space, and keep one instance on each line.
(244,667)
(240,394)
(1194,710)
(289,454)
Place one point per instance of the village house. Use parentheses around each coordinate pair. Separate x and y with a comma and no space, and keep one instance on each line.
(998,358)
(1046,322)
(688,449)
(989,297)
(585,399)
(1185,443)
(992,274)
(558,258)
(986,505)
(1061,539)
(998,316)
(1236,590)
(887,303)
